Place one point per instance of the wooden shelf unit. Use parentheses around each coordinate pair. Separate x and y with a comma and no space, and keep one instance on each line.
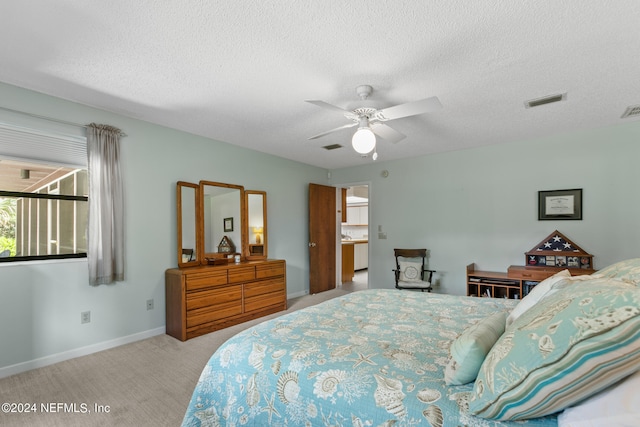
(515,283)
(496,284)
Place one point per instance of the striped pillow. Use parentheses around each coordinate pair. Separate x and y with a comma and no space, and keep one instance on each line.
(561,351)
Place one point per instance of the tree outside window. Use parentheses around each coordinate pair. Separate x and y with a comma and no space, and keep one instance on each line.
(7,227)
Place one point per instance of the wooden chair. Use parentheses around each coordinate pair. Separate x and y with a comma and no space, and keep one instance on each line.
(410,271)
(187,255)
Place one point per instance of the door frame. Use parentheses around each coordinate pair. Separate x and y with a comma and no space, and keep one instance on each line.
(338,232)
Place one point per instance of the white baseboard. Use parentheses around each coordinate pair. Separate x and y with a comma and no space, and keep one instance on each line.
(297,294)
(77,352)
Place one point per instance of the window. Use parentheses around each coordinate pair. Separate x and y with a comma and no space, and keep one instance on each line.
(43,189)
(43,211)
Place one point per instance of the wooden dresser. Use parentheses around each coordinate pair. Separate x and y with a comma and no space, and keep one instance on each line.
(207,298)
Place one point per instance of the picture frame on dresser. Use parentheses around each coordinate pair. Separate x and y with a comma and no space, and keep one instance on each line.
(560,205)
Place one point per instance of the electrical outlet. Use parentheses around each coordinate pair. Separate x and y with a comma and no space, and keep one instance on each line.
(150,304)
(85,317)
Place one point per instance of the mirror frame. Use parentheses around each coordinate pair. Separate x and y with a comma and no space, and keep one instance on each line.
(247,226)
(201,238)
(179,215)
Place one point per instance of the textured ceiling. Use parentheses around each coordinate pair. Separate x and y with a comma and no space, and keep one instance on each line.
(239,71)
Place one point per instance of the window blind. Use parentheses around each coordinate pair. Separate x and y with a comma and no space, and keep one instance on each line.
(31,139)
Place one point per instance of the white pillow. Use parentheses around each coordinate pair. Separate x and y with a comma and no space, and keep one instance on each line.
(616,406)
(537,293)
(410,271)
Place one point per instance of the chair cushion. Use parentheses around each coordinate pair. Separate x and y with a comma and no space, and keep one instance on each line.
(564,349)
(414,285)
(410,271)
(471,347)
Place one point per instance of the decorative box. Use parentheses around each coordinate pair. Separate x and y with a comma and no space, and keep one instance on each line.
(226,246)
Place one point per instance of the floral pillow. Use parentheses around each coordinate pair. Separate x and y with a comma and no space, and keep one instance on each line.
(628,270)
(564,349)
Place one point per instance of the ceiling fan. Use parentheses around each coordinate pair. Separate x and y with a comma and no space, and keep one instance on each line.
(370,121)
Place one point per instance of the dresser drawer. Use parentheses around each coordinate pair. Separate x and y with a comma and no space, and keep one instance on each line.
(213,297)
(265,300)
(263,287)
(270,269)
(242,274)
(216,304)
(535,274)
(264,293)
(198,281)
(262,301)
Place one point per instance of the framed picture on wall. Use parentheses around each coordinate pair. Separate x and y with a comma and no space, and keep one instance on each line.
(560,204)
(228,224)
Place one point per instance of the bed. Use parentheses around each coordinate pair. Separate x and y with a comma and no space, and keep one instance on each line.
(387,357)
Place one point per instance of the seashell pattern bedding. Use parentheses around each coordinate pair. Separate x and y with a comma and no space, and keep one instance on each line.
(369,358)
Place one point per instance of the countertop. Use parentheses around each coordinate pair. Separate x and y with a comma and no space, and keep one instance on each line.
(348,241)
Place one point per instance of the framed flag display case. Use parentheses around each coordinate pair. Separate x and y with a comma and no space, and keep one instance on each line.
(557,251)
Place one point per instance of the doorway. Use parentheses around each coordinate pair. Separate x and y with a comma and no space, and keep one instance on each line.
(355,238)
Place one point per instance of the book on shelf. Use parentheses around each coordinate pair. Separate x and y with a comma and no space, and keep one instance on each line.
(527,286)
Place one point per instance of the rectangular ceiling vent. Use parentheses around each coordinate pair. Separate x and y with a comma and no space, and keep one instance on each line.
(546,100)
(332,147)
(632,111)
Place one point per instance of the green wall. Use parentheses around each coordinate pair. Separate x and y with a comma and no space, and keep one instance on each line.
(41,302)
(481,205)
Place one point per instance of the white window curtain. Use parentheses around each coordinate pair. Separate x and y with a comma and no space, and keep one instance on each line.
(106,206)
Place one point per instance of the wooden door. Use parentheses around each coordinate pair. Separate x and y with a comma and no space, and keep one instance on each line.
(322,238)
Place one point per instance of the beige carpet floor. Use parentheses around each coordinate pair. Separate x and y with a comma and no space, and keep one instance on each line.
(146,383)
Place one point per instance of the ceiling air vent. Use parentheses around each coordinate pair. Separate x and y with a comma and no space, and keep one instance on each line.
(632,111)
(546,100)
(332,147)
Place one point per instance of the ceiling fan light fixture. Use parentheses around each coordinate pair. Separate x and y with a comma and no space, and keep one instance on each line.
(364,140)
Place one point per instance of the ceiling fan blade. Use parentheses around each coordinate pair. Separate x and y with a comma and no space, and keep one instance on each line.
(387,132)
(350,125)
(409,109)
(348,114)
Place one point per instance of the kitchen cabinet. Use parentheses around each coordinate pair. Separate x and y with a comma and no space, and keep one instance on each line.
(347,261)
(361,255)
(357,215)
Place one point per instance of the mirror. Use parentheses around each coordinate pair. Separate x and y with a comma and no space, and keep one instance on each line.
(256,231)
(187,200)
(222,212)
